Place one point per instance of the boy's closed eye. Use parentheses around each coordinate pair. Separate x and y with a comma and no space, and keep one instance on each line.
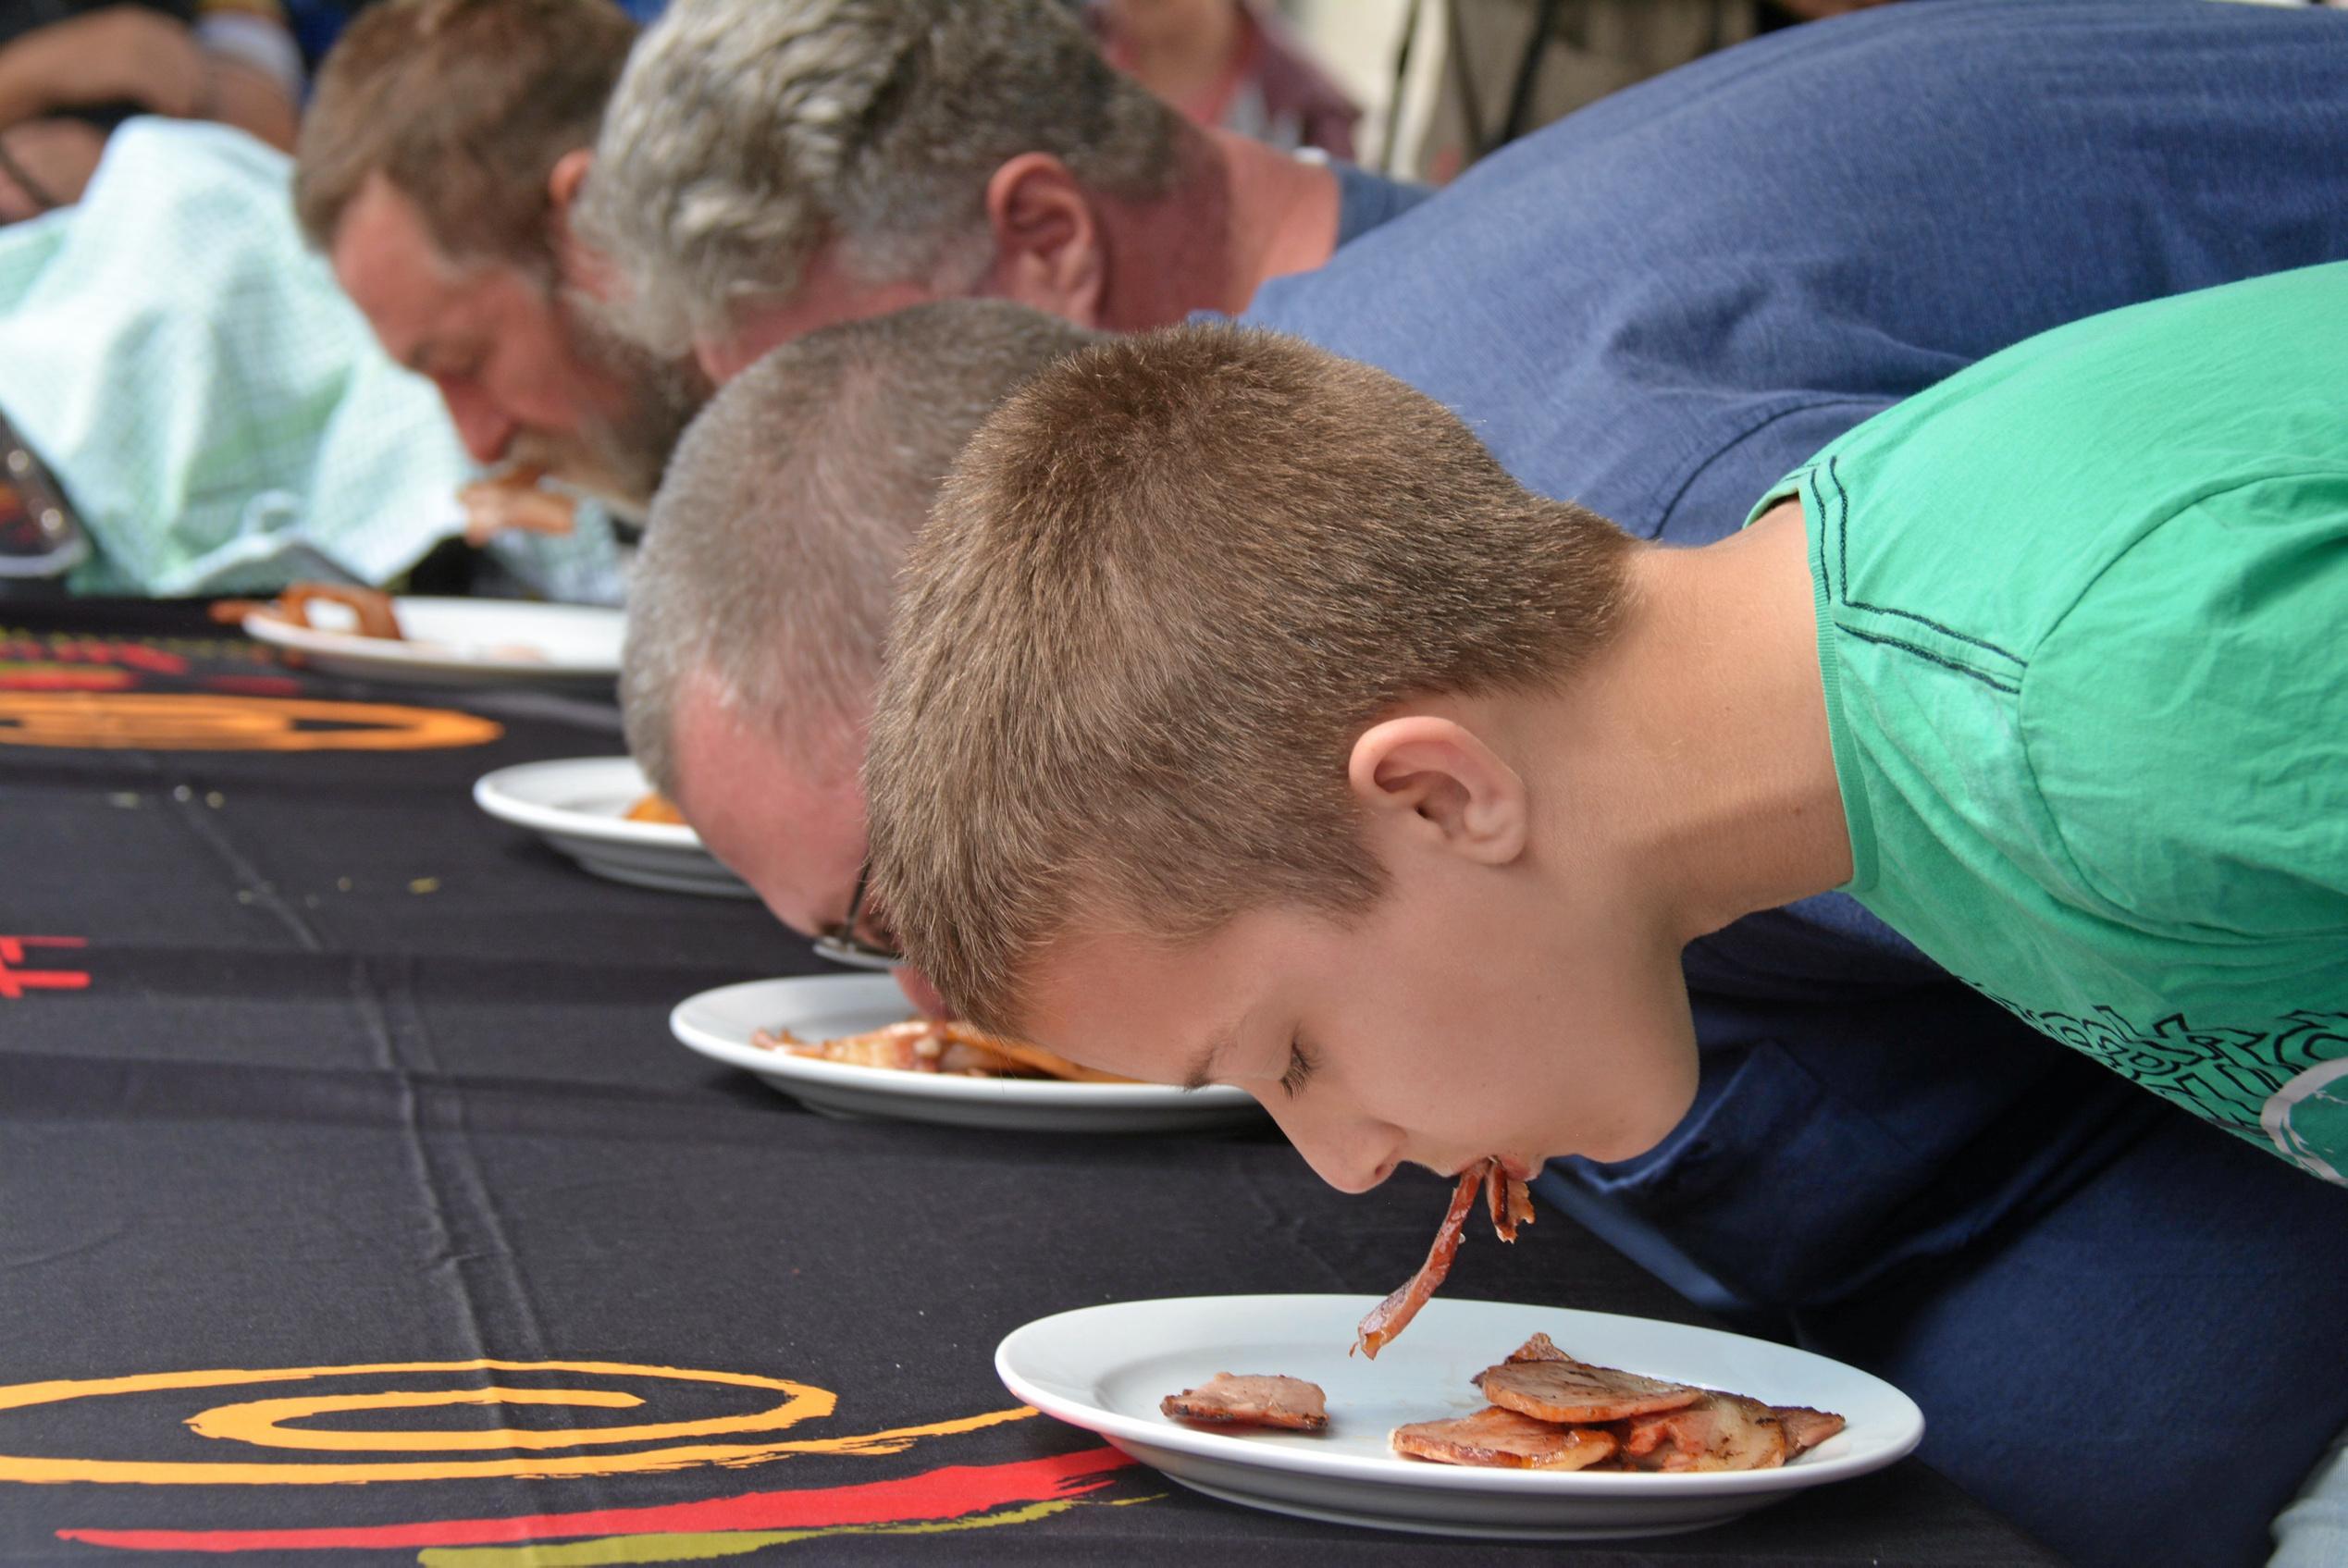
(1301,1064)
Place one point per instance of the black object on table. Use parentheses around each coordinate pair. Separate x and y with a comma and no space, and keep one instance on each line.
(328,1103)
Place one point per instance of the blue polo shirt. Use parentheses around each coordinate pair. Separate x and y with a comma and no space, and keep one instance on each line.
(1664,303)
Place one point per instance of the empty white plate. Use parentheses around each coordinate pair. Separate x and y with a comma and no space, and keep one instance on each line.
(580,807)
(1105,1368)
(719,1025)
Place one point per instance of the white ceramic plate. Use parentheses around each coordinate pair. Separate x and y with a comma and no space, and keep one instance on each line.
(463,642)
(719,1023)
(580,807)
(1105,1368)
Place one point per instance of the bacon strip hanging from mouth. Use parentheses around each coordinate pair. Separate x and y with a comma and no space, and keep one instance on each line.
(1506,1198)
(1509,1204)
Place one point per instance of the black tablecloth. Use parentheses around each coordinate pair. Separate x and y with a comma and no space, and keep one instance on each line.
(319,1086)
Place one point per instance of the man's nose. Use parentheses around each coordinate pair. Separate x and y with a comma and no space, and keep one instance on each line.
(486,430)
(920,992)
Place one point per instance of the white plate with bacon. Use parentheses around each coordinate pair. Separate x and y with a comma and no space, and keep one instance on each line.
(950,1073)
(1110,1370)
(446,642)
(600,811)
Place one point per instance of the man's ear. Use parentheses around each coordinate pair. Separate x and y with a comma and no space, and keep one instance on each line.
(578,267)
(1433,779)
(563,183)
(1048,245)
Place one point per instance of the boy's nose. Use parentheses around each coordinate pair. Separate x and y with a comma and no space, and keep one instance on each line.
(1352,1153)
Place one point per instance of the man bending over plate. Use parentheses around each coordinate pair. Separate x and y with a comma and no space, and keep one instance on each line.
(846,158)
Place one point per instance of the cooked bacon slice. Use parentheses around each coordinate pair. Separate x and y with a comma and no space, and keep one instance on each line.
(1540,1347)
(914,1045)
(1717,1432)
(1394,1315)
(1507,1200)
(1510,1206)
(1503,1439)
(371,610)
(1034,1058)
(654,808)
(1226,1401)
(1566,1389)
(935,1045)
(1805,1428)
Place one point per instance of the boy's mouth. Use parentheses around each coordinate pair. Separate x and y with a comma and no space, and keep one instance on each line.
(1511,1167)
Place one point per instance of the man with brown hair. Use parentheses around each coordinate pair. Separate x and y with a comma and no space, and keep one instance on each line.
(437,169)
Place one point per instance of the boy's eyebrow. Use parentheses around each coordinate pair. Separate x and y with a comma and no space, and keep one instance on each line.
(1202,1072)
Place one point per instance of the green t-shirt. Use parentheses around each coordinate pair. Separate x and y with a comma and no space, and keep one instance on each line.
(2083,626)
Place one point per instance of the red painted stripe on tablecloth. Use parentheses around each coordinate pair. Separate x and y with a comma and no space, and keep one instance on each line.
(944,1493)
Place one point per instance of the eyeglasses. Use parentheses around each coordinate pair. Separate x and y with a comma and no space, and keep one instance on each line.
(841,942)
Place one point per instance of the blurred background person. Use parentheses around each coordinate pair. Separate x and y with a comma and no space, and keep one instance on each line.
(1233,63)
(71,70)
(1499,69)
(318,24)
(190,405)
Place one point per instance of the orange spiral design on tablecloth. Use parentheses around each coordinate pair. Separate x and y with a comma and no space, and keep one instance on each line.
(198,722)
(265,1424)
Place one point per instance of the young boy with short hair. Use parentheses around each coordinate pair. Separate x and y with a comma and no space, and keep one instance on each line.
(1246,723)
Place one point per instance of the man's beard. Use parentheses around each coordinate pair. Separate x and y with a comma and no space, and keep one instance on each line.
(617,459)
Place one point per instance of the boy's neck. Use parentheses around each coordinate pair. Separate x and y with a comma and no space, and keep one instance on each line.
(1698,769)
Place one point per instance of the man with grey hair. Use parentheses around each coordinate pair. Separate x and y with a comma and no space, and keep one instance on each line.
(761,598)
(769,167)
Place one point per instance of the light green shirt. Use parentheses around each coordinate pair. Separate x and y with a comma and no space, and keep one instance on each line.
(215,410)
(2083,626)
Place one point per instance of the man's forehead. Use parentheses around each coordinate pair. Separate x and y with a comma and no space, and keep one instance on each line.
(387,261)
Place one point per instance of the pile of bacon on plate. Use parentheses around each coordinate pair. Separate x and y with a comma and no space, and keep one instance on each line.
(1548,1412)
(937,1045)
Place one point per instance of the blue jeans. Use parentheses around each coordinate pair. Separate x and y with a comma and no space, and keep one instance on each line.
(2122,1324)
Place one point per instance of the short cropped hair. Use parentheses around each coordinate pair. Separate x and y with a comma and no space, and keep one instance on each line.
(464,107)
(771,559)
(746,134)
(1163,592)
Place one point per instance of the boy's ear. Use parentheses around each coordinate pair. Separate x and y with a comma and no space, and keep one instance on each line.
(1047,239)
(1432,778)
